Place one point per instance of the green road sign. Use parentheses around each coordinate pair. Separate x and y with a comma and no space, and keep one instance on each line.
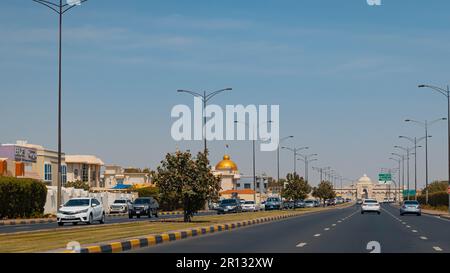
(409,193)
(384,177)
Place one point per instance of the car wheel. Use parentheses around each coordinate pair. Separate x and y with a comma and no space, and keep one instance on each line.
(401,214)
(149,214)
(90,220)
(138,216)
(130,216)
(156,214)
(419,214)
(379,213)
(60,224)
(362,212)
(102,220)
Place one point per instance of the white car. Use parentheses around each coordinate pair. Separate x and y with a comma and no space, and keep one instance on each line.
(120,206)
(370,205)
(81,210)
(250,206)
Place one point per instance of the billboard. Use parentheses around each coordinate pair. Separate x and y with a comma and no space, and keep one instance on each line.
(18,153)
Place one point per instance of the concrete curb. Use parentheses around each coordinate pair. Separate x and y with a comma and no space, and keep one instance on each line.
(177,235)
(53,220)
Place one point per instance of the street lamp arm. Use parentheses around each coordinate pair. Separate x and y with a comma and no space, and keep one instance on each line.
(48,4)
(436,121)
(435,88)
(210,96)
(71,6)
(195,94)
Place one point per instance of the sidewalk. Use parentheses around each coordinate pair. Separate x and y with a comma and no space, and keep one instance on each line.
(441,214)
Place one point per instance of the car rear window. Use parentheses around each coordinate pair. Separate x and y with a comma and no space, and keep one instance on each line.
(228,201)
(370,201)
(249,202)
(411,203)
(142,201)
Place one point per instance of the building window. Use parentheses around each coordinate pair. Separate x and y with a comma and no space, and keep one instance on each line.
(84,173)
(75,173)
(48,172)
(238,185)
(94,176)
(63,174)
(246,186)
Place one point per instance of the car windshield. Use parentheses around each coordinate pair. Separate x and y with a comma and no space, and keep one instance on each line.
(77,203)
(120,201)
(370,201)
(228,201)
(309,201)
(142,201)
(272,200)
(249,202)
(411,203)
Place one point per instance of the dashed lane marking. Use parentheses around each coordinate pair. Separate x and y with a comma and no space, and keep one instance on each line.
(301,245)
(423,238)
(437,248)
(408,226)
(415,231)
(317,235)
(327,229)
(333,225)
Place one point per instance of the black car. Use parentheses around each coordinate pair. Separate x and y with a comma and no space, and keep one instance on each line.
(144,206)
(229,206)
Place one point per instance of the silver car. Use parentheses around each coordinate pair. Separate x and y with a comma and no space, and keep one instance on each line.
(410,207)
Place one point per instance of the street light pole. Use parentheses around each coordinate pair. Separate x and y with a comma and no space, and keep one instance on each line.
(414,141)
(205,97)
(446,93)
(295,152)
(60,9)
(407,150)
(278,155)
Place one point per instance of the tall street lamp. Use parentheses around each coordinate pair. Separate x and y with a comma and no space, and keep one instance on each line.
(295,152)
(426,125)
(408,153)
(205,97)
(278,155)
(321,171)
(446,93)
(402,181)
(307,159)
(399,161)
(414,141)
(60,8)
(254,153)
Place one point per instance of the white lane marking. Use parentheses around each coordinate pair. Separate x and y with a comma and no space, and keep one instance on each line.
(317,235)
(301,245)
(437,248)
(333,225)
(408,226)
(404,223)
(423,238)
(327,229)
(415,231)
(339,221)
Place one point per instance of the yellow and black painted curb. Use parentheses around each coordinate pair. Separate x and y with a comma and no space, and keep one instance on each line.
(174,236)
(27,222)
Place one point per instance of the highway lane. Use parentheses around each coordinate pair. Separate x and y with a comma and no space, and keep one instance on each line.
(337,231)
(109,220)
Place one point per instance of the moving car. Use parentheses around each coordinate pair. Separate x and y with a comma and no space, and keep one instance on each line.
(120,206)
(229,206)
(273,203)
(370,205)
(410,207)
(81,210)
(144,206)
(250,206)
(310,203)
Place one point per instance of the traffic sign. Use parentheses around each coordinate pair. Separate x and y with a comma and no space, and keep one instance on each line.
(385,178)
(409,193)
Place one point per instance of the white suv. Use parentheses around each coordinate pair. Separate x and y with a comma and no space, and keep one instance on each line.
(81,210)
(370,205)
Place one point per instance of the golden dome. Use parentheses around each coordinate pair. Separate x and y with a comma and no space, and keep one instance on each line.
(226,164)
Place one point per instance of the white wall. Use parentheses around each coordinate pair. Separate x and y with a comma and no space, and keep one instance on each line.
(106,198)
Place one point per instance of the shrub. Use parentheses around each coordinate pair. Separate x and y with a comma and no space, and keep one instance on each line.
(20,198)
(435,199)
(78,185)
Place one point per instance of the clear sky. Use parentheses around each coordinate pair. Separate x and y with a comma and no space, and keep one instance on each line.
(345,75)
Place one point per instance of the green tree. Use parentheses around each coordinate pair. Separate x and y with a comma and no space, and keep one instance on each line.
(437,186)
(187,183)
(324,191)
(78,185)
(296,187)
(148,192)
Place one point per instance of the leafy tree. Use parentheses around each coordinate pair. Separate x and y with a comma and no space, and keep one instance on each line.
(148,192)
(324,191)
(78,185)
(296,187)
(186,182)
(437,186)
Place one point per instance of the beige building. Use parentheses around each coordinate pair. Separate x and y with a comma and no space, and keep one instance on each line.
(115,175)
(85,168)
(229,173)
(365,188)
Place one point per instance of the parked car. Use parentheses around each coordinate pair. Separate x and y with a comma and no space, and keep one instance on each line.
(213,206)
(81,210)
(250,206)
(120,206)
(348,200)
(263,205)
(273,203)
(229,206)
(316,203)
(299,204)
(410,207)
(330,202)
(370,205)
(144,206)
(310,203)
(359,201)
(288,205)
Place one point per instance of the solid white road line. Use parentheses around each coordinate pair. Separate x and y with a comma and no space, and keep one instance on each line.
(301,245)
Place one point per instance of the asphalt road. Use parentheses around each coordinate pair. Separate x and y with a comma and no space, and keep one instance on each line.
(109,220)
(337,231)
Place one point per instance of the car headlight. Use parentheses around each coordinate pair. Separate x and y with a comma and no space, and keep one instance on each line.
(82,211)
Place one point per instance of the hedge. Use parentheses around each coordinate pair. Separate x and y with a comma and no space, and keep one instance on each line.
(21,198)
(434,199)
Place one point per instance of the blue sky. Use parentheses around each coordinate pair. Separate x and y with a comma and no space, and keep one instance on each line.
(343,73)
